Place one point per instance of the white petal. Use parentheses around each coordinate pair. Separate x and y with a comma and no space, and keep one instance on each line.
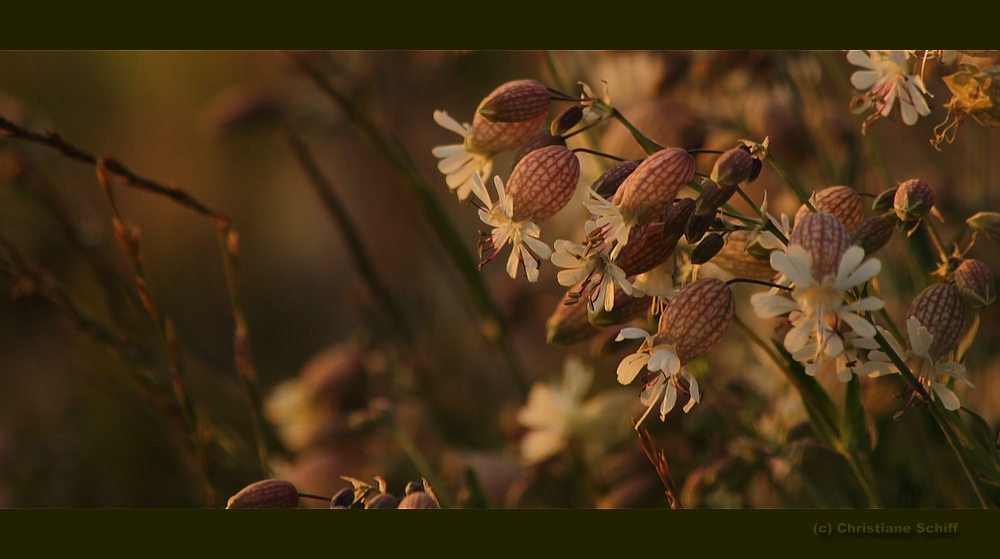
(864,79)
(537,446)
(538,247)
(860,326)
(860,58)
(866,304)
(947,397)
(695,392)
(849,261)
(479,189)
(567,278)
(630,367)
(443,152)
(766,305)
(633,334)
(865,272)
(669,400)
(449,123)
(799,335)
(512,263)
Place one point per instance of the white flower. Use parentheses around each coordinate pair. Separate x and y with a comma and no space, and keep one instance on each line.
(595,108)
(457,164)
(662,361)
(526,249)
(886,76)
(920,363)
(767,239)
(658,282)
(817,308)
(844,364)
(554,413)
(610,223)
(594,267)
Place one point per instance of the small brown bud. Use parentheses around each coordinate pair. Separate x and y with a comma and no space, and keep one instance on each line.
(733,167)
(841,201)
(697,226)
(872,234)
(566,120)
(516,101)
(987,223)
(382,501)
(607,184)
(940,309)
(914,198)
(712,197)
(697,318)
(974,281)
(414,487)
(343,499)
(266,494)
(676,218)
(825,238)
(707,248)
(418,500)
(541,140)
(543,182)
(884,201)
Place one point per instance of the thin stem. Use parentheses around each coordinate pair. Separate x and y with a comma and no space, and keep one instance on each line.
(936,237)
(599,153)
(791,181)
(647,145)
(759,282)
(550,63)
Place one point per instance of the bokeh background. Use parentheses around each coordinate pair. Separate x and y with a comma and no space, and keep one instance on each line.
(342,398)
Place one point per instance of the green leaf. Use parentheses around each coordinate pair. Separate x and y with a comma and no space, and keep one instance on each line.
(853,426)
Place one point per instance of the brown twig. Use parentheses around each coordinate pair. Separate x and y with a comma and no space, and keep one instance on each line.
(659,461)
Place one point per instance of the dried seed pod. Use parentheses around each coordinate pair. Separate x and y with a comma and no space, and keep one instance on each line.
(841,201)
(987,223)
(733,167)
(739,261)
(697,318)
(914,198)
(543,182)
(516,101)
(569,323)
(940,309)
(266,494)
(974,281)
(650,190)
(343,499)
(418,500)
(872,234)
(824,237)
(707,248)
(382,501)
(884,201)
(541,140)
(675,219)
(645,250)
(607,184)
(566,120)
(697,226)
(490,138)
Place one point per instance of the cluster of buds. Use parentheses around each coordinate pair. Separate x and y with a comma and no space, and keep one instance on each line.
(281,494)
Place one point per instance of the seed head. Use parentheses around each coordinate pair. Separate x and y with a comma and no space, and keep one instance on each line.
(841,201)
(914,198)
(266,494)
(648,191)
(974,281)
(987,223)
(733,167)
(825,238)
(543,182)
(697,318)
(516,101)
(872,234)
(940,309)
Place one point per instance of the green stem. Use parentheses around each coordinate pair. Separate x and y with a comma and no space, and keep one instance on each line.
(647,145)
(791,181)
(936,237)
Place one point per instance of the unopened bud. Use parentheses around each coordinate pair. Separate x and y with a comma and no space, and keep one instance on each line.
(974,281)
(266,494)
(884,201)
(566,120)
(733,167)
(987,223)
(940,309)
(607,184)
(826,240)
(914,198)
(872,234)
(516,101)
(541,140)
(697,226)
(841,201)
(707,248)
(382,501)
(697,317)
(543,182)
(343,499)
(712,197)
(414,487)
(418,500)
(676,218)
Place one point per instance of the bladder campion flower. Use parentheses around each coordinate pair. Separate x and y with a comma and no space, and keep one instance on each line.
(554,412)
(885,78)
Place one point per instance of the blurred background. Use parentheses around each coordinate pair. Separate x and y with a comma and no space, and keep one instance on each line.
(348,388)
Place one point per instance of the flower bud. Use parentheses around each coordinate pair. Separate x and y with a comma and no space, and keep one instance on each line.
(712,197)
(266,494)
(418,500)
(872,234)
(645,250)
(569,324)
(884,201)
(707,248)
(824,237)
(566,120)
(697,317)
(383,501)
(543,182)
(697,226)
(650,190)
(489,138)
(733,167)
(676,218)
(914,198)
(414,487)
(516,101)
(541,140)
(987,223)
(607,184)
(940,309)
(343,499)
(841,201)
(974,281)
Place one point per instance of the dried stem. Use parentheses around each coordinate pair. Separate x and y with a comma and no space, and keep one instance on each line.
(659,461)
